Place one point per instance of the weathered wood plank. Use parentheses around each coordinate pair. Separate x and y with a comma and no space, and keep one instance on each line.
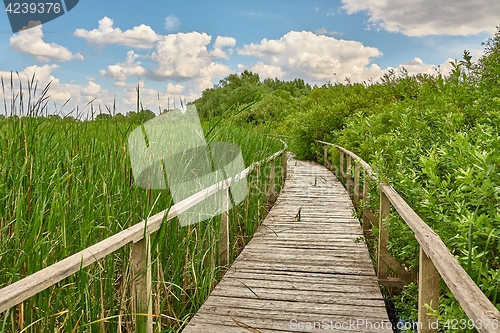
(310,270)
(434,255)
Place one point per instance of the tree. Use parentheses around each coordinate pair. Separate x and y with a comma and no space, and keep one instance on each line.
(103,116)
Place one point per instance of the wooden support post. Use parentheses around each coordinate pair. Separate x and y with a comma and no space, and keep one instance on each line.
(271,193)
(224,231)
(348,181)
(342,174)
(141,285)
(428,293)
(325,156)
(285,165)
(383,235)
(366,201)
(356,185)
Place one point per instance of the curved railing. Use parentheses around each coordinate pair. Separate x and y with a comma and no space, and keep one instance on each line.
(138,235)
(435,262)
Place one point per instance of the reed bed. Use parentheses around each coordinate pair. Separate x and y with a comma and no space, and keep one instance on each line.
(66,184)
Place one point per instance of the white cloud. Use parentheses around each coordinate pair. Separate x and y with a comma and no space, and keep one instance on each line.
(155,100)
(181,57)
(119,72)
(184,56)
(324,31)
(267,71)
(141,36)
(221,42)
(429,17)
(321,31)
(417,66)
(58,93)
(31,42)
(172,22)
(43,74)
(316,59)
(175,89)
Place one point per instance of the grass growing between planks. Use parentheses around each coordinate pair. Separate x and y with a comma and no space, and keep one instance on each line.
(66,184)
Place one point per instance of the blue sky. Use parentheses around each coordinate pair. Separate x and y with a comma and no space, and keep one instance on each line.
(176,49)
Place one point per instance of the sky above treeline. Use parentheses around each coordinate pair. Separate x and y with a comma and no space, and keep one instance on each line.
(101,50)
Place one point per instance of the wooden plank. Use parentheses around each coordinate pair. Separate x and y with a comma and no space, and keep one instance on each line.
(271,193)
(348,176)
(383,236)
(405,275)
(306,270)
(475,304)
(428,293)
(356,185)
(141,285)
(224,232)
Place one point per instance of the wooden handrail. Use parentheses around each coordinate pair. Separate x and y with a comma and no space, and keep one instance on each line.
(435,259)
(31,285)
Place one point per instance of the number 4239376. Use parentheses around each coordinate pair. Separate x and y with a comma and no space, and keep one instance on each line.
(33,7)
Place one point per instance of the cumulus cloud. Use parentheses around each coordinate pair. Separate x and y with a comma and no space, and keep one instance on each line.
(155,100)
(120,71)
(417,66)
(429,17)
(315,58)
(142,36)
(266,71)
(172,22)
(221,42)
(31,42)
(184,56)
(181,57)
(59,93)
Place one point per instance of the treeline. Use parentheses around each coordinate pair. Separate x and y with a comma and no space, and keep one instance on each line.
(435,138)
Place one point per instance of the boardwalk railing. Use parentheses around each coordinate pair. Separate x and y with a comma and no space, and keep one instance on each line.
(435,261)
(139,235)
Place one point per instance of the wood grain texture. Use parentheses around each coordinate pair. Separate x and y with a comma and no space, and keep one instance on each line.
(434,255)
(300,276)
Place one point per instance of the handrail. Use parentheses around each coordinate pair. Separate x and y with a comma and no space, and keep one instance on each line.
(435,259)
(31,285)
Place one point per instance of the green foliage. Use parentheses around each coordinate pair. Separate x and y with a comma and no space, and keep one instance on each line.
(141,116)
(238,90)
(433,137)
(67,184)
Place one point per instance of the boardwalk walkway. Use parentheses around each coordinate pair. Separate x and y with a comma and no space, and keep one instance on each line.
(300,274)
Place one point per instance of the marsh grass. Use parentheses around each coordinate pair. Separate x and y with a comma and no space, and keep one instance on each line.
(66,184)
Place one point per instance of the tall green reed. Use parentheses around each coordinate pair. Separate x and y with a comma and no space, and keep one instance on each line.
(66,184)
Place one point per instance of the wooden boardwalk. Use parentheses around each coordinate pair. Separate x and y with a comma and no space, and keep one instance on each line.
(300,274)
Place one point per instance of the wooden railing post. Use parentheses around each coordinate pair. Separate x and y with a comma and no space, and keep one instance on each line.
(428,293)
(356,185)
(383,235)
(342,174)
(366,201)
(271,193)
(285,165)
(325,156)
(141,285)
(224,231)
(348,181)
